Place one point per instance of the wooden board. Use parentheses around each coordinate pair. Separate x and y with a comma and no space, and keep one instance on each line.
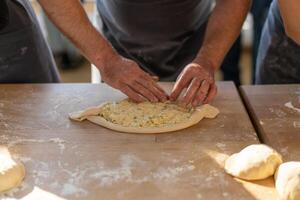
(278,125)
(84,161)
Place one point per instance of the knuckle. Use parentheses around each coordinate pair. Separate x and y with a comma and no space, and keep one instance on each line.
(202,93)
(130,81)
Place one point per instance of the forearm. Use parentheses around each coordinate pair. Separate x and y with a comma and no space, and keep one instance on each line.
(70,17)
(290,13)
(223,28)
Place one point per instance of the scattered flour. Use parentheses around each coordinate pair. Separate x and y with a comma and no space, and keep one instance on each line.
(23,159)
(14,140)
(125,172)
(277,112)
(290,105)
(209,178)
(284,151)
(110,176)
(221,146)
(199,196)
(77,179)
(171,173)
(296,124)
(60,143)
(225,194)
(70,189)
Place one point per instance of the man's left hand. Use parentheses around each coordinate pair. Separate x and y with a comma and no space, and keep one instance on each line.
(198,80)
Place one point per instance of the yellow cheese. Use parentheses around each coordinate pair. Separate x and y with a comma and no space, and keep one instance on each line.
(145,114)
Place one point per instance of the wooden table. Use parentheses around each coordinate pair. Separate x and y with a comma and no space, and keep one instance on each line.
(84,161)
(277,123)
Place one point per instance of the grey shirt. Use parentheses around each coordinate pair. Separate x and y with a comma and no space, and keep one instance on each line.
(160,35)
(278,59)
(24,53)
(12,16)
(3,14)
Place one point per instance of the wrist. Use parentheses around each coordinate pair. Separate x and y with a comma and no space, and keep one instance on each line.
(208,57)
(104,57)
(206,63)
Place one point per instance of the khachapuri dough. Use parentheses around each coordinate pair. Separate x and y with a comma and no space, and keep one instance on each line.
(145,117)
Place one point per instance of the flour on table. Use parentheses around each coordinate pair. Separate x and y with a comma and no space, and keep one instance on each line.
(296,124)
(291,106)
(199,196)
(14,140)
(69,189)
(172,172)
(221,146)
(284,151)
(278,112)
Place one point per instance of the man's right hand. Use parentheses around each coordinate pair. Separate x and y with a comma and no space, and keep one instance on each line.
(116,71)
(126,76)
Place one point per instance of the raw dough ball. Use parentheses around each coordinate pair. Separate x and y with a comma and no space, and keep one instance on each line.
(11,172)
(254,162)
(288,181)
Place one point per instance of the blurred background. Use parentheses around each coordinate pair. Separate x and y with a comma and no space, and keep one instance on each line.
(75,68)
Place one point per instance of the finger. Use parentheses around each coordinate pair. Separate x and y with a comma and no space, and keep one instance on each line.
(132,94)
(153,88)
(191,92)
(154,82)
(201,93)
(180,84)
(145,92)
(211,94)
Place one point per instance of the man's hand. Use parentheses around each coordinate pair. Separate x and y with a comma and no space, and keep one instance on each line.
(200,84)
(126,76)
(198,77)
(120,73)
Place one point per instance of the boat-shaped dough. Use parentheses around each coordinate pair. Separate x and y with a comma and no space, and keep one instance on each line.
(145,117)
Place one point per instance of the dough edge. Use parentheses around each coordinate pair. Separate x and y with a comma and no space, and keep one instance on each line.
(204,111)
(13,177)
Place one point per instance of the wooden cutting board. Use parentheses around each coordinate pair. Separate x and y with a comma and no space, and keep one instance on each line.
(277,122)
(75,160)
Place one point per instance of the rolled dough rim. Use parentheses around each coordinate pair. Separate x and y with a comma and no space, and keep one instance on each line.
(204,111)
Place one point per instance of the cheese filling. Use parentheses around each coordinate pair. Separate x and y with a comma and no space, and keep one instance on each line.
(145,114)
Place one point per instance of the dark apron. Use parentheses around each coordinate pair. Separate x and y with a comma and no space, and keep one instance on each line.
(278,60)
(161,36)
(24,54)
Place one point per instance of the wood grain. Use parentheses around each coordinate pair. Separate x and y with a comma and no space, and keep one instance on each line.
(278,125)
(84,161)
